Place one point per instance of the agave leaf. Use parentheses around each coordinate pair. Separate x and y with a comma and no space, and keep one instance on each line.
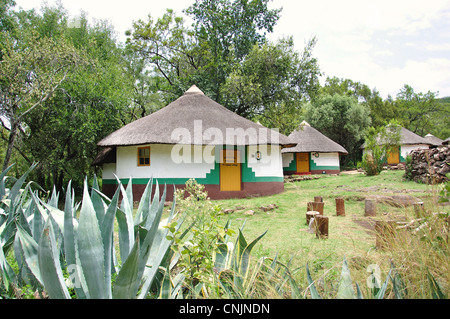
(2,181)
(345,290)
(159,249)
(151,234)
(7,273)
(382,291)
(15,190)
(70,247)
(126,223)
(359,294)
(107,229)
(90,248)
(166,286)
(53,201)
(221,256)
(397,283)
(436,290)
(30,252)
(97,202)
(127,282)
(245,257)
(311,286)
(144,204)
(49,264)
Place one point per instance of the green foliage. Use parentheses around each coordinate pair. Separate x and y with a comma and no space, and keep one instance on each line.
(347,291)
(377,145)
(49,243)
(444,193)
(272,82)
(204,234)
(341,118)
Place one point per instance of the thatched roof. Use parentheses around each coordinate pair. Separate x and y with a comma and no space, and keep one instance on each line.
(192,113)
(433,140)
(446,142)
(308,139)
(406,138)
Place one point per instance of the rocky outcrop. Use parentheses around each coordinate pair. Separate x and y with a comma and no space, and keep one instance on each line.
(429,166)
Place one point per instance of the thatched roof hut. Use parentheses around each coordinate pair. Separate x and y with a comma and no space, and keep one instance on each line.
(446,142)
(435,141)
(314,153)
(186,113)
(194,137)
(407,138)
(308,139)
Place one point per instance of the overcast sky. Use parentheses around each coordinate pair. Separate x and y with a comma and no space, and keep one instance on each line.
(384,43)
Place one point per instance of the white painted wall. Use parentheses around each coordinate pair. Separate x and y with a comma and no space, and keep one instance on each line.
(163,164)
(287,159)
(406,149)
(270,163)
(108,171)
(326,159)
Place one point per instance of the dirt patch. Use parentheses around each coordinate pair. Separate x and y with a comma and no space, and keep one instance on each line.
(367,223)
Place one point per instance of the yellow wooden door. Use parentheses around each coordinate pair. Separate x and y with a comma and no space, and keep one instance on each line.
(393,156)
(230,171)
(302,162)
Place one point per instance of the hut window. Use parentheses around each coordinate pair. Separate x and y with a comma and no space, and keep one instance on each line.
(144,156)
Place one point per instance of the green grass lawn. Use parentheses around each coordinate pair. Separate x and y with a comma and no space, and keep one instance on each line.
(351,235)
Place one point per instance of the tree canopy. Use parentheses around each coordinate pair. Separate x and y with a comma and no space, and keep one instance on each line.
(66,83)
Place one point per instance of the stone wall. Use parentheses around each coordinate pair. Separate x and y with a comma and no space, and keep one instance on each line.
(429,166)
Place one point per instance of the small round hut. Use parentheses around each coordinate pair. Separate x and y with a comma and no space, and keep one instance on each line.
(314,153)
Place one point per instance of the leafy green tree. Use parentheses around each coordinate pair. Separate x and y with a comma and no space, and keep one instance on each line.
(342,119)
(90,104)
(223,33)
(417,110)
(272,82)
(378,143)
(32,70)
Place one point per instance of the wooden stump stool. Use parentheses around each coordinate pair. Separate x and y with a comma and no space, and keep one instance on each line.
(318,199)
(340,207)
(315,206)
(370,207)
(321,226)
(309,215)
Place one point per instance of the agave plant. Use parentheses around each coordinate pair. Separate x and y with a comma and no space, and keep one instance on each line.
(346,290)
(232,262)
(51,245)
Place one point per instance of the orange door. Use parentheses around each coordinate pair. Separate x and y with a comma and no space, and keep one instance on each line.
(302,162)
(230,171)
(393,156)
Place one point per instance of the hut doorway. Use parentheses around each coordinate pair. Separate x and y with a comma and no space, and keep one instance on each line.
(302,162)
(393,156)
(230,171)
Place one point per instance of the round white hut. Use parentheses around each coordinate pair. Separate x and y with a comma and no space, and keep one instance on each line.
(314,153)
(194,137)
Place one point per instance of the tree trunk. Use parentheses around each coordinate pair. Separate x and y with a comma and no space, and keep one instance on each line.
(321,226)
(340,207)
(309,215)
(11,141)
(370,207)
(315,206)
(318,199)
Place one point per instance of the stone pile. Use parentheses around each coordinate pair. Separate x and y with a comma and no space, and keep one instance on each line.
(429,166)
